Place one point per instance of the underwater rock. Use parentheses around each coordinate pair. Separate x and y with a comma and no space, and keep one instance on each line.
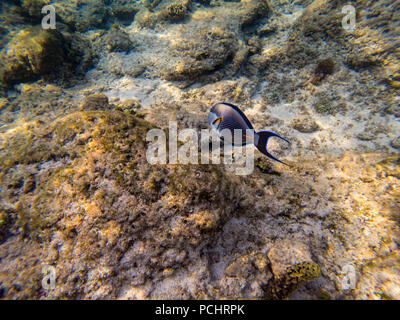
(32,53)
(252,10)
(176,11)
(208,46)
(97,199)
(117,40)
(305,124)
(252,268)
(95,102)
(35,53)
(366,136)
(243,13)
(124,12)
(324,67)
(199,51)
(164,11)
(130,106)
(286,253)
(319,22)
(384,266)
(375,40)
(360,60)
(31,10)
(291,265)
(254,44)
(78,193)
(242,266)
(123,65)
(396,143)
(267,29)
(83,15)
(281,287)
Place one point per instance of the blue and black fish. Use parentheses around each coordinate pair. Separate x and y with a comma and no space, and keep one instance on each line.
(227,116)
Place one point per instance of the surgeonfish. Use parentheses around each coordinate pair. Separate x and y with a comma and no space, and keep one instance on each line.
(227,116)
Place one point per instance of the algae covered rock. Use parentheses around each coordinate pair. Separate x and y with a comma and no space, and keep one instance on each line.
(359,60)
(163,11)
(293,277)
(305,124)
(31,10)
(200,51)
(252,10)
(176,11)
(286,253)
(252,268)
(396,143)
(95,102)
(83,15)
(324,68)
(117,40)
(33,52)
(127,224)
(124,11)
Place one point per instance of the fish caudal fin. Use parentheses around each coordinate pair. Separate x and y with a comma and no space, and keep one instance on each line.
(263,137)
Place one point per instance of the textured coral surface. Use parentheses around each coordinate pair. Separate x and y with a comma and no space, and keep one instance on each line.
(78,194)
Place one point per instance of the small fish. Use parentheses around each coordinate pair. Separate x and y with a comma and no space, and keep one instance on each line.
(227,116)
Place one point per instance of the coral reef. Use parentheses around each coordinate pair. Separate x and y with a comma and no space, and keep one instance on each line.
(77,192)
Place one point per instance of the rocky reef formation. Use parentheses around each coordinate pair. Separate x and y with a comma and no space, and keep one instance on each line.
(158,211)
(77,192)
(32,53)
(36,53)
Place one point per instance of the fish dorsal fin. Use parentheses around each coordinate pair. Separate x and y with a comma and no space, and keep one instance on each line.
(248,123)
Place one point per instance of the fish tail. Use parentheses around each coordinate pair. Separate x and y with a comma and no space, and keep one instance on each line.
(263,137)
